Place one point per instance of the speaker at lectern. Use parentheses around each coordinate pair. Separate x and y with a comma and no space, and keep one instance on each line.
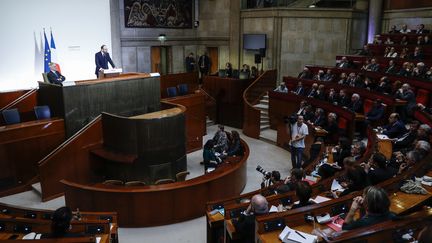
(109,73)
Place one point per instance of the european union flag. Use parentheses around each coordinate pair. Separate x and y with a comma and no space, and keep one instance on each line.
(47,55)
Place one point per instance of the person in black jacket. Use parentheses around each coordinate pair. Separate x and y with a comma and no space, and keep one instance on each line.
(54,76)
(245,224)
(61,224)
(344,100)
(376,112)
(304,193)
(355,179)
(406,140)
(380,171)
(356,104)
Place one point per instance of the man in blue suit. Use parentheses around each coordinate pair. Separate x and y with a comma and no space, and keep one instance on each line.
(101,59)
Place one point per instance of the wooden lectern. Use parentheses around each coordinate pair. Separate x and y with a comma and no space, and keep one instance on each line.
(108,73)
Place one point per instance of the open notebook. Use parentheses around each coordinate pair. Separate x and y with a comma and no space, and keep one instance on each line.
(289,235)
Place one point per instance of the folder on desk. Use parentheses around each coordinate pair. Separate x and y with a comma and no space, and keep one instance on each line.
(289,235)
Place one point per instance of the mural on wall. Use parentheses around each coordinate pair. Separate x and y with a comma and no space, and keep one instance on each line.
(158,13)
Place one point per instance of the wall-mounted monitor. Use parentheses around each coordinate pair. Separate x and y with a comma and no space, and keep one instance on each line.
(254,41)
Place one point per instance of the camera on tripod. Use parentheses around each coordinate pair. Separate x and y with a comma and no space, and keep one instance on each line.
(265,173)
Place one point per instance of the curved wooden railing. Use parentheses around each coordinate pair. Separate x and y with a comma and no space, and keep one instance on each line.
(251,96)
(169,203)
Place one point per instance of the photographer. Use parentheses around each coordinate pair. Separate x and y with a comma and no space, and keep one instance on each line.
(299,131)
(269,178)
(290,183)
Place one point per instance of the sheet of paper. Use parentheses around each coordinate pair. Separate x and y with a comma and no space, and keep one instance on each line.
(273,208)
(320,199)
(336,186)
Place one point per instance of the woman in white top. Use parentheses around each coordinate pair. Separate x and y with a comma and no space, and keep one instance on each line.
(391,53)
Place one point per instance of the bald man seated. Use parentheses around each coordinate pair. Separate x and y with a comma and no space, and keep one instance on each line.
(245,224)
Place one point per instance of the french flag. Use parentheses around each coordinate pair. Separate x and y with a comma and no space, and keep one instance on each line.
(54,53)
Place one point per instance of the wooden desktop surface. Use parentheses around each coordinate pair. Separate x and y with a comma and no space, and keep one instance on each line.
(159,114)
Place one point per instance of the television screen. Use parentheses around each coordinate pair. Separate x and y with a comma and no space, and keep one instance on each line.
(254,41)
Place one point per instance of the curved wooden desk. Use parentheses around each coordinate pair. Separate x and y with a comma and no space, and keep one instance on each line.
(161,204)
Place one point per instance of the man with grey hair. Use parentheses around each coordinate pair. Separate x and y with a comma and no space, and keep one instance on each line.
(245,224)
(54,76)
(355,105)
(405,93)
(422,147)
(424,132)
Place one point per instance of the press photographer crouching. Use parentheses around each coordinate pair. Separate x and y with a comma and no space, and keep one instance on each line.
(290,182)
(269,178)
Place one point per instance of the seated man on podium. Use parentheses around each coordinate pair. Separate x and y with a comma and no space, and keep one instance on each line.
(54,76)
(101,59)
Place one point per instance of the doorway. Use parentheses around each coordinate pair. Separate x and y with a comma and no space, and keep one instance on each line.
(161,57)
(214,59)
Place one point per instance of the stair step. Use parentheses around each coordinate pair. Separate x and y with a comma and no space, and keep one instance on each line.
(264,127)
(264,123)
(261,106)
(266,97)
(265,118)
(264,102)
(37,188)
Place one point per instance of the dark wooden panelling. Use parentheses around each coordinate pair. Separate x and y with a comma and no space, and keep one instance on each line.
(8,97)
(195,118)
(228,93)
(173,80)
(25,104)
(71,160)
(23,145)
(128,94)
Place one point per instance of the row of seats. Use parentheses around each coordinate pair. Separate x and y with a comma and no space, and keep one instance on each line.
(12,116)
(181,89)
(181,176)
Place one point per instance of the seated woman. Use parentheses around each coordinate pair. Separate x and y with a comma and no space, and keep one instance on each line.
(61,224)
(380,171)
(375,203)
(340,152)
(209,155)
(355,179)
(304,193)
(235,148)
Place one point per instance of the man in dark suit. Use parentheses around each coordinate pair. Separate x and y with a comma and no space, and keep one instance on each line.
(245,224)
(391,69)
(300,89)
(54,76)
(204,64)
(376,112)
(190,63)
(395,128)
(102,59)
(421,29)
(356,104)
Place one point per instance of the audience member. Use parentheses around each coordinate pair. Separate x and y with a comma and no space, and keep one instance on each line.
(392,53)
(405,93)
(343,63)
(377,170)
(320,94)
(245,70)
(343,79)
(365,51)
(404,29)
(356,104)
(420,40)
(204,64)
(376,112)
(404,40)
(290,182)
(421,29)
(395,128)
(221,140)
(332,97)
(313,91)
(391,69)
(417,55)
(305,74)
(384,86)
(427,40)
(344,100)
(375,203)
(299,90)
(245,224)
(61,224)
(304,193)
(235,148)
(319,76)
(319,119)
(282,88)
(210,160)
(332,128)
(393,30)
(328,76)
(404,53)
(355,179)
(388,41)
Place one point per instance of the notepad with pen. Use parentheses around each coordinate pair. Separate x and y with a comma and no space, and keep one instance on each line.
(289,235)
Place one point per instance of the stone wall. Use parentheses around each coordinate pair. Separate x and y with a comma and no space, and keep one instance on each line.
(411,17)
(134,45)
(296,37)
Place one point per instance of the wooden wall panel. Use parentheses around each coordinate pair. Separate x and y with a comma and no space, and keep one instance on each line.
(23,145)
(404,4)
